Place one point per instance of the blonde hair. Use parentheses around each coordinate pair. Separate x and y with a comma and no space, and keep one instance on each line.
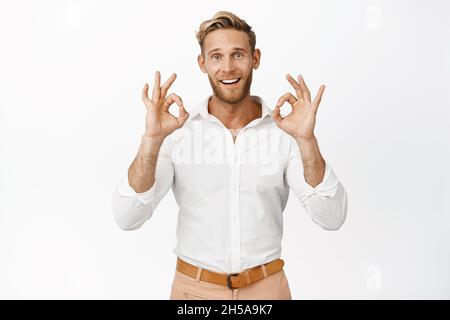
(225,20)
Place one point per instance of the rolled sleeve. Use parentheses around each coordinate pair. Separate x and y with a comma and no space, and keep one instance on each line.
(326,203)
(132,209)
(125,190)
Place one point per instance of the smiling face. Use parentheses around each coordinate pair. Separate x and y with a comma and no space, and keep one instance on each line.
(229,63)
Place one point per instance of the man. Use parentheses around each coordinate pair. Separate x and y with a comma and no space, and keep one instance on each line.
(231,163)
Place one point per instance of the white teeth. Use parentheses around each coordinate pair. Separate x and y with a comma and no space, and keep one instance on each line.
(229,81)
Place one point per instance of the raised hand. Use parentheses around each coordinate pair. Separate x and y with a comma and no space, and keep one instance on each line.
(302,119)
(159,121)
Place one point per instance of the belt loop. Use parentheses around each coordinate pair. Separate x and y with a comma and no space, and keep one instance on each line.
(199,273)
(263,267)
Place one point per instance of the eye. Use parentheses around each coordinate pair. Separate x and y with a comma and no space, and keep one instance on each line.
(216,56)
(238,54)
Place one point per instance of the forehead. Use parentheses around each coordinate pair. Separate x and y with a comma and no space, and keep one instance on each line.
(226,39)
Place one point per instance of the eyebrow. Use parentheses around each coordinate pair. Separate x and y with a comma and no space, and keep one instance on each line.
(218,49)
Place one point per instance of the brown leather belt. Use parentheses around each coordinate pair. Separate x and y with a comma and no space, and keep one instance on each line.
(232,281)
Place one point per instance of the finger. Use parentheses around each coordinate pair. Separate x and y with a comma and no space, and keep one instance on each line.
(170,99)
(318,98)
(276,116)
(156,88)
(182,116)
(145,92)
(306,93)
(165,87)
(289,97)
(296,86)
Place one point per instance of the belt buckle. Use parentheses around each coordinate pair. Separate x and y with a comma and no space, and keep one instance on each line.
(229,280)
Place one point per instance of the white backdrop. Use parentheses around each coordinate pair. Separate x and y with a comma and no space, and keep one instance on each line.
(71,118)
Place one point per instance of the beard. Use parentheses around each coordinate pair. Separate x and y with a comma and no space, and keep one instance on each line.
(232,96)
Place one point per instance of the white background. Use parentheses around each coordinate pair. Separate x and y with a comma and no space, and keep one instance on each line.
(71,118)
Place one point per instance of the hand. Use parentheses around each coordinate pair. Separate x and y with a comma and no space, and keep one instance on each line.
(159,121)
(301,121)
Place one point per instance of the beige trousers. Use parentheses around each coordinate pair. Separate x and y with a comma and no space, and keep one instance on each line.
(274,287)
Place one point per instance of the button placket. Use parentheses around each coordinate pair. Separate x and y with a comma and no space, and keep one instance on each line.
(235,218)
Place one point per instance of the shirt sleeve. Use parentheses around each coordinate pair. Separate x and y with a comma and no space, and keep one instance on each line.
(131,209)
(326,203)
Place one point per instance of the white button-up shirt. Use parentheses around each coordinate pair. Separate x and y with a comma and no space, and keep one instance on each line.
(231,194)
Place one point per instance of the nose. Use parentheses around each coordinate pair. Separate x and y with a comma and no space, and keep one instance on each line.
(228,64)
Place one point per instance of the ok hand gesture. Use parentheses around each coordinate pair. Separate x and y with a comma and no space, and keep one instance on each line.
(159,121)
(301,121)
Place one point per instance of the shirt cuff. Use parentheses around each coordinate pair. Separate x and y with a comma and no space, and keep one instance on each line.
(126,190)
(327,188)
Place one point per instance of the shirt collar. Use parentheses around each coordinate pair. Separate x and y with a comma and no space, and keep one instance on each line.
(202,108)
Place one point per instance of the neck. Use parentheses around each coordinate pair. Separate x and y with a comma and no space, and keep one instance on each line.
(235,116)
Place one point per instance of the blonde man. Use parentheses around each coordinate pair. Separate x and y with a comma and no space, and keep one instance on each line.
(230,162)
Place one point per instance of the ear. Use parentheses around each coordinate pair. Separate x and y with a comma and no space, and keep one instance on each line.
(201,63)
(256,58)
